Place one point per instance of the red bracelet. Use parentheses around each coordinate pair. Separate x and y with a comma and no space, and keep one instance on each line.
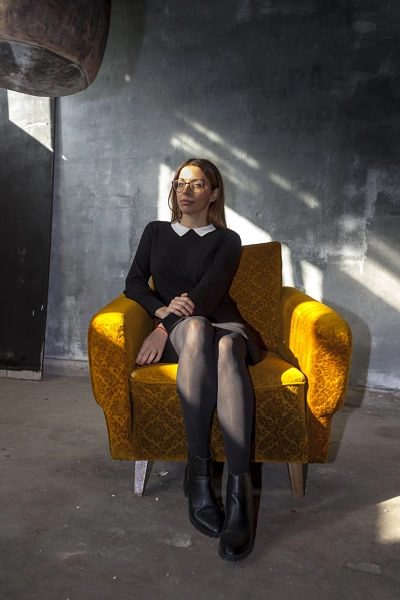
(163,328)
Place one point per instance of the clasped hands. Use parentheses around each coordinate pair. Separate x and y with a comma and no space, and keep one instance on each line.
(154,344)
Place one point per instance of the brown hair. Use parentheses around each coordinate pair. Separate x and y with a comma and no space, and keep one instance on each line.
(216,210)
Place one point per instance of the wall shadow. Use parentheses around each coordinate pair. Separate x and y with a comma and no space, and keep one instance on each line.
(26,183)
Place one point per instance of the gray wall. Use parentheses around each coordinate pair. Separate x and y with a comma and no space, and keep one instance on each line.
(297,102)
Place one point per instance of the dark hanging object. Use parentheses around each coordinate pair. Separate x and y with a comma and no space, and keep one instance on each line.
(52,47)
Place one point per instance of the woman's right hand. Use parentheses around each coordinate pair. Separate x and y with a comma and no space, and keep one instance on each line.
(152,347)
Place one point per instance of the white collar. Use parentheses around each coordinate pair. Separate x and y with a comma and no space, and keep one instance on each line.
(181,229)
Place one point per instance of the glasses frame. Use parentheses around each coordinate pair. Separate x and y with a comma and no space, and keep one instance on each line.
(189,183)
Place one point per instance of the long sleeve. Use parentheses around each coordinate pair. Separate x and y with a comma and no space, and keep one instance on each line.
(137,282)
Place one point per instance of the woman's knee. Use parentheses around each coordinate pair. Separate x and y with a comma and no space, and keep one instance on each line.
(231,348)
(198,332)
(191,335)
(196,326)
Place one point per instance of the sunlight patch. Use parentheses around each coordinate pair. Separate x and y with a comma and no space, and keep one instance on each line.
(32,115)
(388,521)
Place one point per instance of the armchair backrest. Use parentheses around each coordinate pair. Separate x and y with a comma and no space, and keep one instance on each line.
(257,289)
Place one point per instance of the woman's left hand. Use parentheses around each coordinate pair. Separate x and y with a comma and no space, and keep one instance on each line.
(152,347)
(181,306)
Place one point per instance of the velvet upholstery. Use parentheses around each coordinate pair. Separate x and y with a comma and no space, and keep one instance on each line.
(300,383)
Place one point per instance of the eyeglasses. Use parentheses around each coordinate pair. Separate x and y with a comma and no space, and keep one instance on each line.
(196,185)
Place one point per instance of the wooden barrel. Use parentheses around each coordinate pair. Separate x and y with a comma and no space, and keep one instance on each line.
(52,47)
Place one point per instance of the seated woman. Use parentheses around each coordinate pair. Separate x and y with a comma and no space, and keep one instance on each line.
(192,261)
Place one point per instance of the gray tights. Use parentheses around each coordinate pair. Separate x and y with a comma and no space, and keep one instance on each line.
(212,373)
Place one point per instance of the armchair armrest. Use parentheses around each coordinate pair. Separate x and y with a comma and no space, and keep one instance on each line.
(115,335)
(318,341)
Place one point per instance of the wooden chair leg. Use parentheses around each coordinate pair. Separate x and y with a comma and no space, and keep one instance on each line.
(298,478)
(141,472)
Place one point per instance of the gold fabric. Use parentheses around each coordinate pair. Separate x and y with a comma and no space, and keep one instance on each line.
(280,413)
(257,289)
(298,386)
(318,341)
(115,336)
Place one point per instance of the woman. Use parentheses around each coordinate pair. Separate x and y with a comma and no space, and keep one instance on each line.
(192,261)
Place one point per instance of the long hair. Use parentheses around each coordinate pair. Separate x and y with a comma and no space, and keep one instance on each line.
(216,209)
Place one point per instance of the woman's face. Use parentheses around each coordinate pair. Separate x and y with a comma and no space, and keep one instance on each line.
(195,203)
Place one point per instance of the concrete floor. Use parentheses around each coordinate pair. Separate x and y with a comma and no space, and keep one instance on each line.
(71,528)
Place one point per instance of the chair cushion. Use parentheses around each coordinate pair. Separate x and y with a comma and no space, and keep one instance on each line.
(257,289)
(280,431)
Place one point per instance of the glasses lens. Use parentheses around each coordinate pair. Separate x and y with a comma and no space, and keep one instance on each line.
(197,185)
(178,185)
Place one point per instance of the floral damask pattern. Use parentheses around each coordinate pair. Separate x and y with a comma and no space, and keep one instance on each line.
(257,289)
(298,386)
(318,341)
(280,422)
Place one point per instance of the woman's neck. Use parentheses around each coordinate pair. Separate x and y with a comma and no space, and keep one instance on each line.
(194,223)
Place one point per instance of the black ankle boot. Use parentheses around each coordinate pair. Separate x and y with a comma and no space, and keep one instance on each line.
(204,511)
(237,536)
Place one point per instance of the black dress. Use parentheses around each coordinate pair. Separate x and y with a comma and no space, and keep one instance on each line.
(201,265)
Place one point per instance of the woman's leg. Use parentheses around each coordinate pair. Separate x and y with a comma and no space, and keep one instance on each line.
(197,388)
(235,412)
(196,380)
(235,404)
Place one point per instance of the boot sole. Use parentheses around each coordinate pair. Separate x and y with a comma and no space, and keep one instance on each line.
(238,557)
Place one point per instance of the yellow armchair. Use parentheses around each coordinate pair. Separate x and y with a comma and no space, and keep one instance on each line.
(299,384)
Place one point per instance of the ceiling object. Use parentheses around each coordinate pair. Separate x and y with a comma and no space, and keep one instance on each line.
(52,47)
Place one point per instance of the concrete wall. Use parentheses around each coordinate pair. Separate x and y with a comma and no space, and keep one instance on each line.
(297,102)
